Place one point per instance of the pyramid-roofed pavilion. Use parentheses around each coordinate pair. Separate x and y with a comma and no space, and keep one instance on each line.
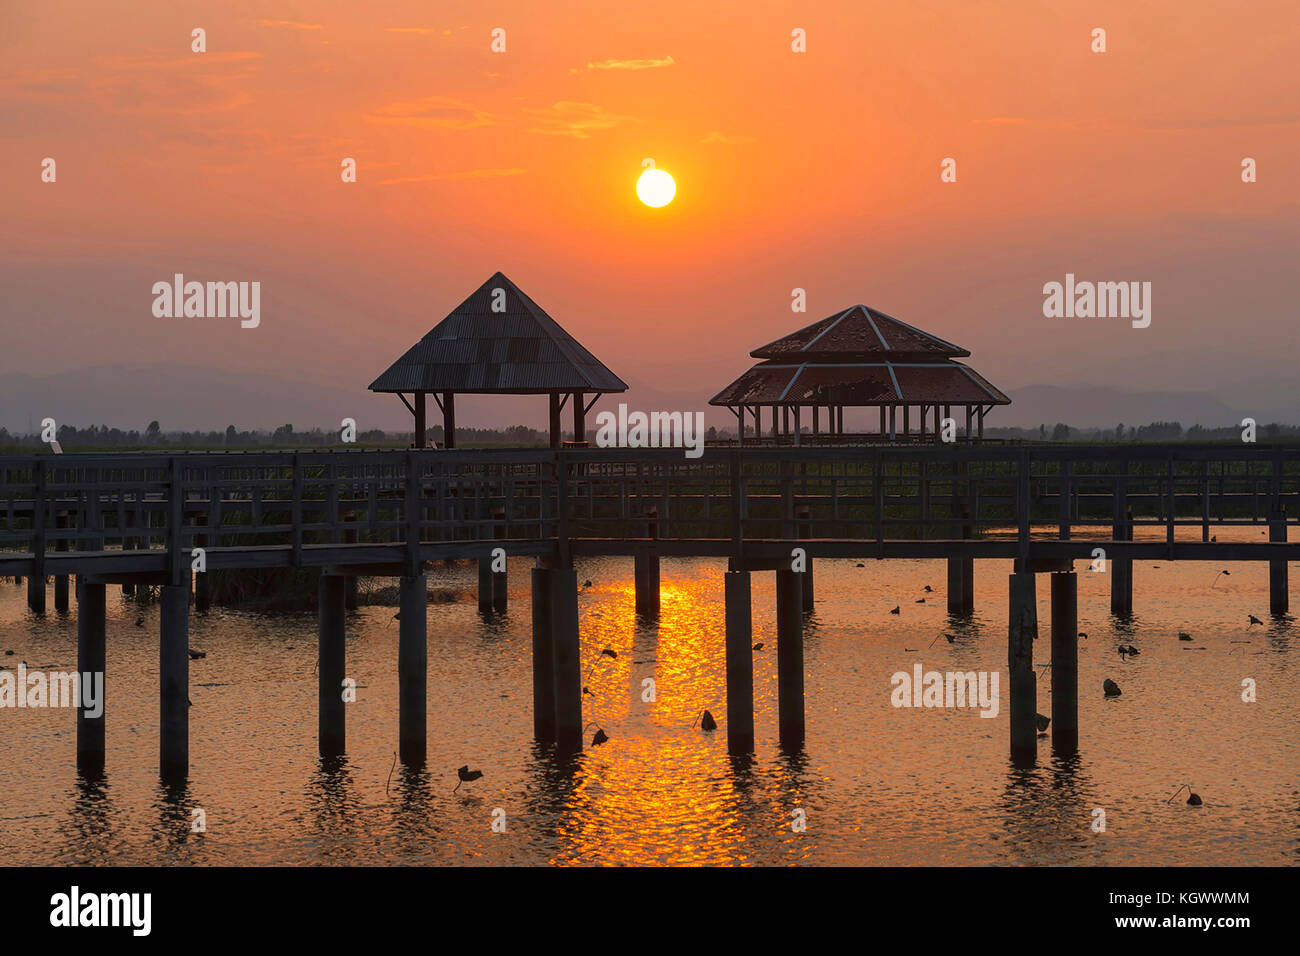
(859,357)
(498,342)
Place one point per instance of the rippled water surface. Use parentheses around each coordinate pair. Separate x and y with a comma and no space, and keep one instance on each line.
(878,784)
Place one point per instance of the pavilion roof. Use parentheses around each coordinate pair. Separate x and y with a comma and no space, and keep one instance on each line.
(476,349)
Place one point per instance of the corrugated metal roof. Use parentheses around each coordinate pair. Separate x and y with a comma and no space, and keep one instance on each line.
(859,331)
(521,350)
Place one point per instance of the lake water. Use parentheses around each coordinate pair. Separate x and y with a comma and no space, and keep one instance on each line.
(877,784)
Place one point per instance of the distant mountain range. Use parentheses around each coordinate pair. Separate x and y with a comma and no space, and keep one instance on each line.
(185,397)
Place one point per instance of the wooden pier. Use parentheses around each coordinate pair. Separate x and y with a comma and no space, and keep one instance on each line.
(136,519)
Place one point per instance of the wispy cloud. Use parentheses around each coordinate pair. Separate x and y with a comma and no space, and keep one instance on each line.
(409,29)
(716,137)
(433,111)
(460,174)
(578,120)
(627,64)
(290,24)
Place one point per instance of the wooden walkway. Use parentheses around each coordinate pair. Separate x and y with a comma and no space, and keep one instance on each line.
(142,518)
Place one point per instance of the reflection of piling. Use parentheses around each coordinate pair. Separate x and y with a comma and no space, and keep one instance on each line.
(565,652)
(61,580)
(740,664)
(1278,601)
(174,680)
(543,659)
(1022,629)
(90,661)
(1065,662)
(330,668)
(412,669)
(789,659)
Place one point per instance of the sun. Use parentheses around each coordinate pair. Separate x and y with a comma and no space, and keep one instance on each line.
(656,188)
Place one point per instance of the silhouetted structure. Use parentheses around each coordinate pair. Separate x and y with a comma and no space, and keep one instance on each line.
(859,357)
(498,342)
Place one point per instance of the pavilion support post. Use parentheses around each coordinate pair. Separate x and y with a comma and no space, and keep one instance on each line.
(500,580)
(796,425)
(789,660)
(91,620)
(740,664)
(968,422)
(579,419)
(566,658)
(816,418)
(803,514)
(61,580)
(555,419)
(1278,601)
(893,422)
(420,427)
(981,426)
(330,667)
(174,681)
(883,427)
(543,659)
(907,419)
(448,419)
(1065,662)
(412,670)
(1022,630)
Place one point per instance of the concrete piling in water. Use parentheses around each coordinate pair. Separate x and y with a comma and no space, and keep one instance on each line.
(646,570)
(485,585)
(566,655)
(1022,630)
(91,661)
(500,580)
(1121,570)
(174,683)
(1278,600)
(330,669)
(350,588)
(543,659)
(202,591)
(740,664)
(789,660)
(61,580)
(1065,662)
(412,670)
(803,514)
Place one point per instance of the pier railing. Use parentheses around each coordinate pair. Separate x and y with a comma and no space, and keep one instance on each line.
(140,511)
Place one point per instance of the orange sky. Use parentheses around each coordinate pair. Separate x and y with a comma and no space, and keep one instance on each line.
(817,170)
